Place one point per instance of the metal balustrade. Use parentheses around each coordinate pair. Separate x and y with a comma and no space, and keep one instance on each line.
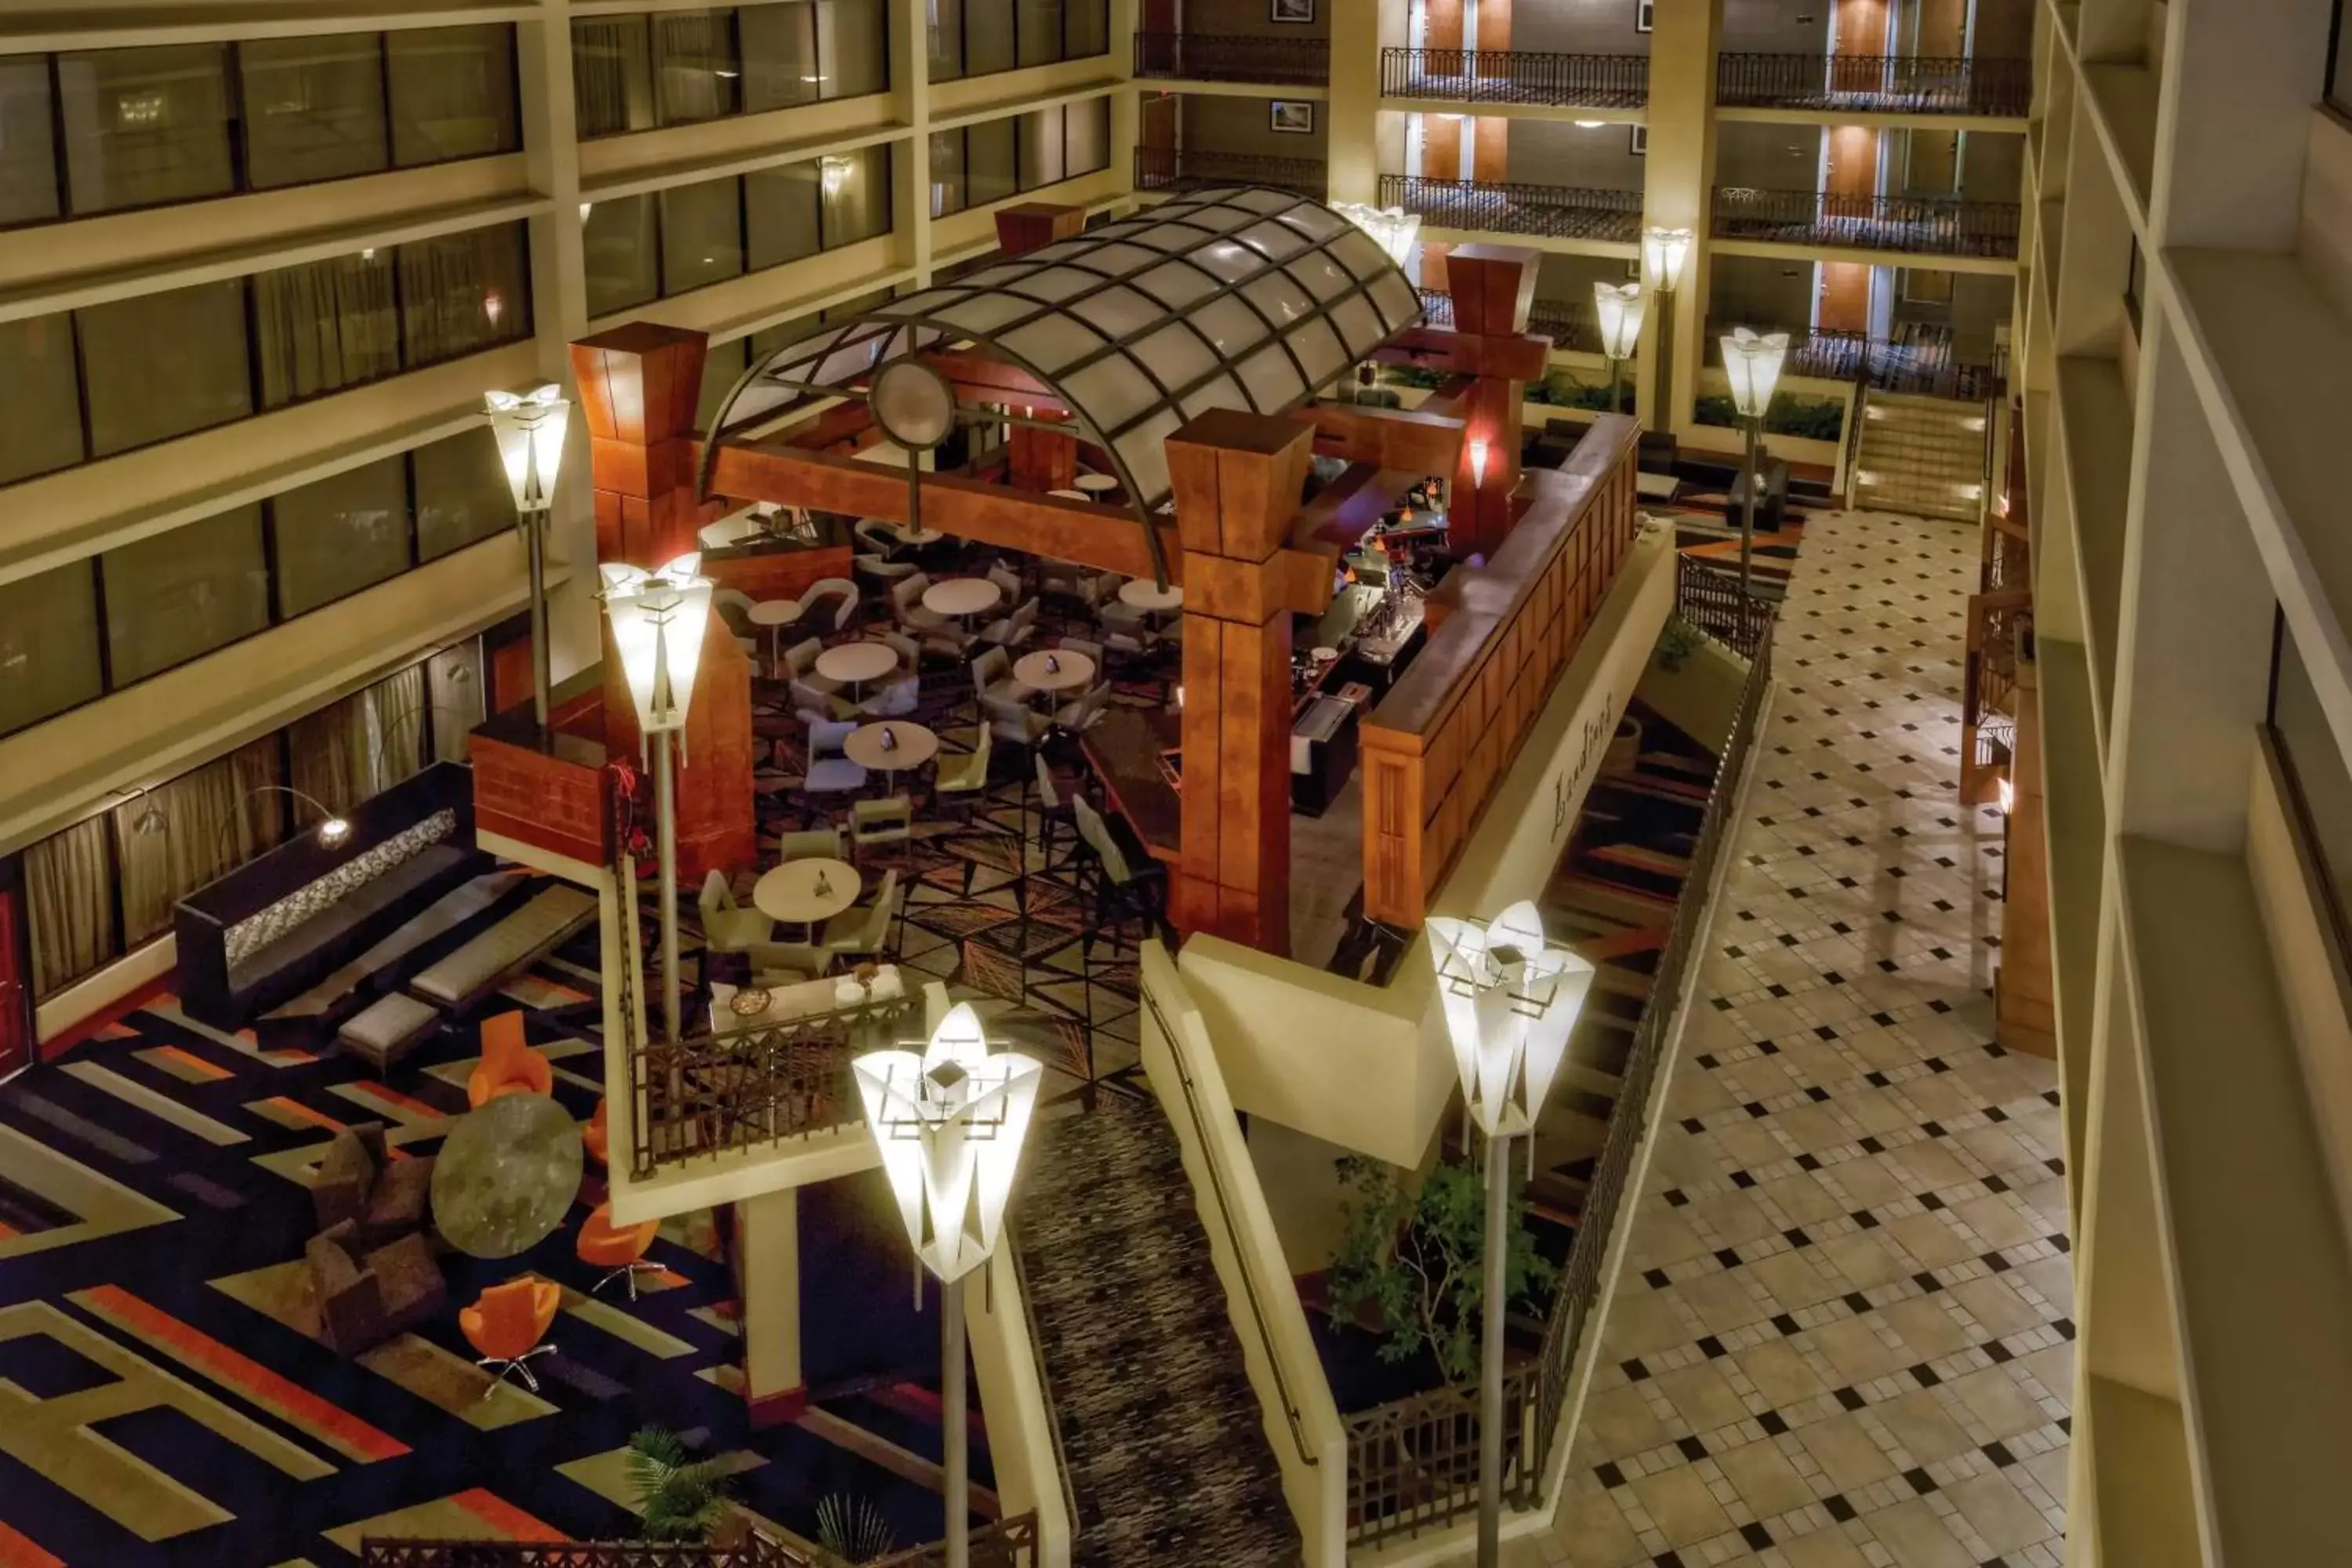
(1921,224)
(1568,324)
(1209,56)
(1188,169)
(1881,84)
(1554,212)
(1516,76)
(1917,367)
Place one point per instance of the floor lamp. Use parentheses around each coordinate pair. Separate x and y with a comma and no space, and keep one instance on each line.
(530,427)
(657,620)
(1620,308)
(1752,362)
(1510,999)
(1664,252)
(949,1125)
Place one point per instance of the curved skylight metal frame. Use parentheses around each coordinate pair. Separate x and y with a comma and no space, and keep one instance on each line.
(1234,298)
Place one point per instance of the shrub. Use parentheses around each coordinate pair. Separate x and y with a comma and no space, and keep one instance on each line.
(1812,418)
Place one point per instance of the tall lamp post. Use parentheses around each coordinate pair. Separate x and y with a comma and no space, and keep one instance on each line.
(950,1123)
(1620,307)
(1753,364)
(1664,253)
(1511,997)
(530,427)
(657,620)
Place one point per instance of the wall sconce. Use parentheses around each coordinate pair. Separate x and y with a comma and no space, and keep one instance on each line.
(1589,124)
(833,174)
(2008,797)
(1478,463)
(585,208)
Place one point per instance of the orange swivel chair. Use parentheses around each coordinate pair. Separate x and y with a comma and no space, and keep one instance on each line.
(509,1065)
(507,1325)
(620,1249)
(594,1135)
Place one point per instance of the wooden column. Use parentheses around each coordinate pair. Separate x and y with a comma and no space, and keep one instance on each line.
(1236,479)
(639,385)
(1493,289)
(2024,1000)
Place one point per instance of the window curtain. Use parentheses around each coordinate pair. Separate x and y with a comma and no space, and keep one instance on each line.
(694,59)
(325,325)
(68,883)
(612,76)
(201,826)
(461,293)
(367,743)
(452,94)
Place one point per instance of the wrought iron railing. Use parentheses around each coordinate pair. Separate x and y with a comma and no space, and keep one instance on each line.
(1568,324)
(1498,206)
(1709,597)
(1923,225)
(1917,367)
(707,1094)
(1998,623)
(755,1552)
(1413,1464)
(1516,76)
(1894,84)
(1209,56)
(1188,169)
(1006,1543)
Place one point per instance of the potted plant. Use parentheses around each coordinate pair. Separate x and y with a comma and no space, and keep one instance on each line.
(679,1497)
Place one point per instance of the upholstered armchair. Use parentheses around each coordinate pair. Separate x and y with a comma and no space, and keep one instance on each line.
(507,1323)
(728,926)
(359,1183)
(366,1297)
(509,1065)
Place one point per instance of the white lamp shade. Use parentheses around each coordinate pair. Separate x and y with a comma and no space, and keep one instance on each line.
(1753,363)
(657,619)
(949,1124)
(1621,306)
(530,427)
(1395,227)
(1663,251)
(1511,998)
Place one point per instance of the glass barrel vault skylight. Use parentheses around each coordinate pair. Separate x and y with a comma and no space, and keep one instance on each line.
(1246,299)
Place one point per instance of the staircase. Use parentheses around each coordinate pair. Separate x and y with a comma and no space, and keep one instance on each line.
(1612,898)
(1160,1430)
(1921,455)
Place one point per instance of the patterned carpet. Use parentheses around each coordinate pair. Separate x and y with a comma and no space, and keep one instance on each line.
(1160,1426)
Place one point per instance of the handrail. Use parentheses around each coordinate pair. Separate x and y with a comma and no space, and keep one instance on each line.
(1920,369)
(1927,225)
(1209,56)
(1569,325)
(1186,168)
(1912,84)
(1509,207)
(1516,76)
(1291,1412)
(1001,1544)
(412,1552)
(1061,1482)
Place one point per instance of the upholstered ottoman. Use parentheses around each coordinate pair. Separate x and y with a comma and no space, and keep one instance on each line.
(386,1030)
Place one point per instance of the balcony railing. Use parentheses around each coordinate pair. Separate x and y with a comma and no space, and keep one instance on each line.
(1888,84)
(1006,1543)
(1555,212)
(1516,76)
(1209,56)
(1925,226)
(1569,325)
(1919,368)
(1188,169)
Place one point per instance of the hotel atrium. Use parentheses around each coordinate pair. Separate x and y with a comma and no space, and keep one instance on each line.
(1208,784)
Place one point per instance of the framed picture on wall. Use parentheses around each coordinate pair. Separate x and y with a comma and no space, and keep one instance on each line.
(1644,14)
(1291,116)
(1298,11)
(1639,145)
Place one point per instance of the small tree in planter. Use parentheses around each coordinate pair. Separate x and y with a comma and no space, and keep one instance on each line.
(678,1499)
(1416,1259)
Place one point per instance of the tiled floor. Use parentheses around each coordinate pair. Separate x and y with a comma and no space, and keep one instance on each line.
(1842,1336)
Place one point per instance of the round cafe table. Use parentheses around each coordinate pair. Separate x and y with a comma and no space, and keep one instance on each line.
(912,746)
(1142,593)
(915,538)
(855,663)
(804,892)
(1096,486)
(962,598)
(1068,495)
(1053,671)
(773,614)
(506,1176)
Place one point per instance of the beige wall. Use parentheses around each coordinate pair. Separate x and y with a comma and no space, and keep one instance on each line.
(1215,124)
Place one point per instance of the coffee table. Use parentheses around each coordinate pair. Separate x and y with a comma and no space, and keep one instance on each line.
(855,663)
(774,615)
(804,892)
(911,745)
(506,1176)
